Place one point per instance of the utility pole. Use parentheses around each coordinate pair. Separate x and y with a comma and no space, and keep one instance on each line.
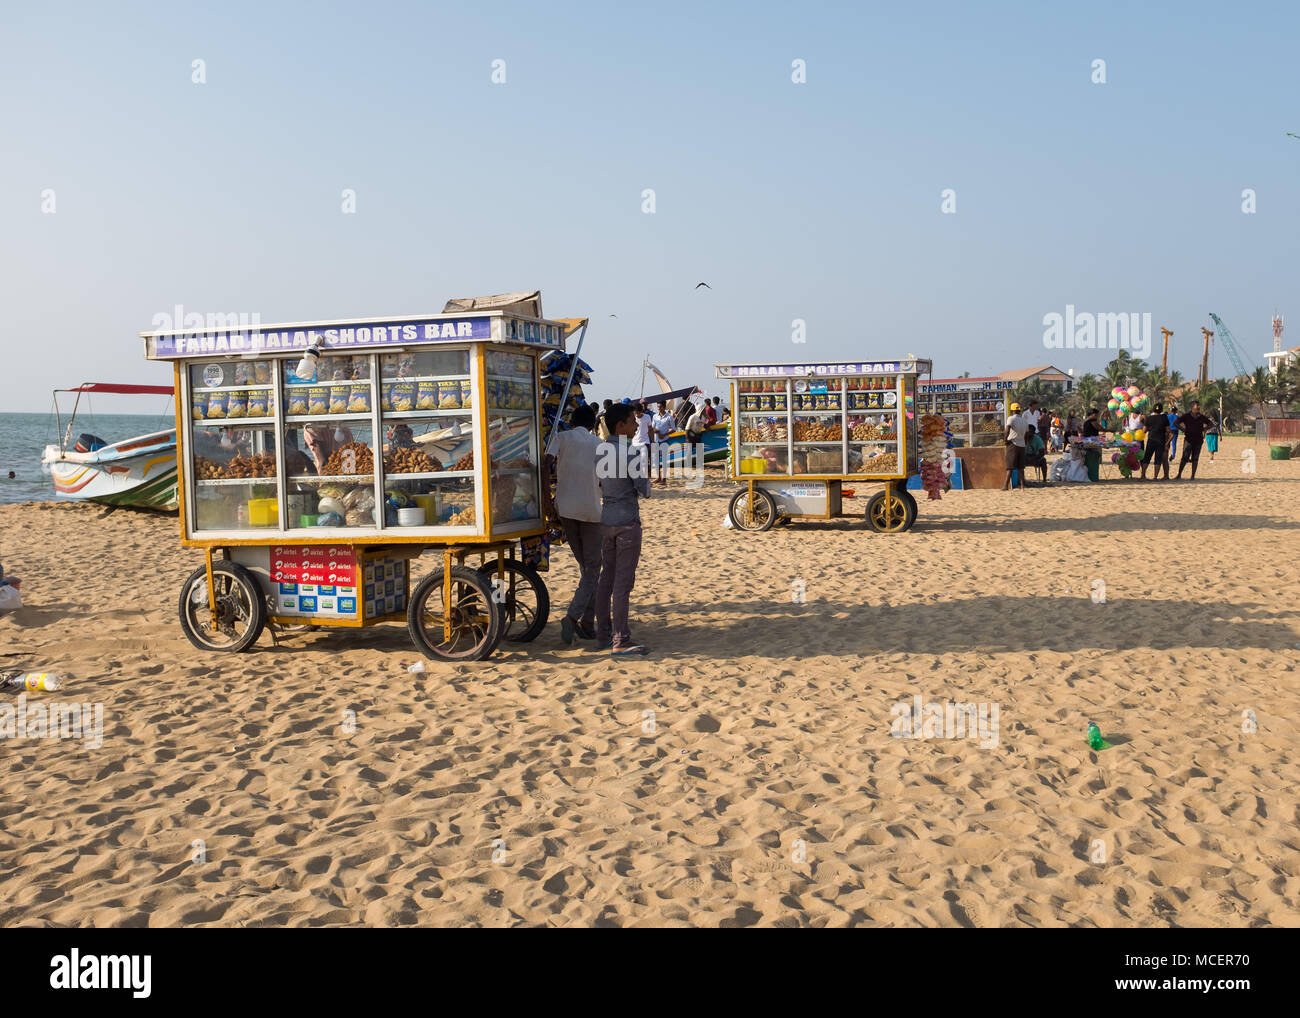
(1164,357)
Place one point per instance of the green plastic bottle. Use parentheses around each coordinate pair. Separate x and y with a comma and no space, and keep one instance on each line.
(1094,736)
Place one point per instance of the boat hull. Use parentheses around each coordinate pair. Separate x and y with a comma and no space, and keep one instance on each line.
(138,472)
(715,442)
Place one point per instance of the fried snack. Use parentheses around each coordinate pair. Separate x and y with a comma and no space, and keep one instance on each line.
(464,518)
(411,461)
(466,462)
(356,456)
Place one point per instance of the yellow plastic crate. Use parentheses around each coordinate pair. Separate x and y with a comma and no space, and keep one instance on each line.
(263,512)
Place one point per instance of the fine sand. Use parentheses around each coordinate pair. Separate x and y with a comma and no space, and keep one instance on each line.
(764,789)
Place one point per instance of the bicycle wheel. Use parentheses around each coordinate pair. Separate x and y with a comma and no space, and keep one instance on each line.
(475,620)
(525,602)
(754,518)
(241,608)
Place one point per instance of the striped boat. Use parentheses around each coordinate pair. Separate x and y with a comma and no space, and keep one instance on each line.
(138,471)
(134,472)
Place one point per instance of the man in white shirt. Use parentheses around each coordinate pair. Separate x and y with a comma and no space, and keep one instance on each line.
(1033,416)
(571,460)
(1017,428)
(643,424)
(663,425)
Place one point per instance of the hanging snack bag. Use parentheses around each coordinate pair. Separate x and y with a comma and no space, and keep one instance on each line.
(259,403)
(237,404)
(198,405)
(297,401)
(426,395)
(449,395)
(216,405)
(338,399)
(359,398)
(318,399)
(261,372)
(403,396)
(466,394)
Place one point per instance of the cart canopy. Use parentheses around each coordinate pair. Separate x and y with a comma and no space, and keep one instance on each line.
(121,390)
(528,304)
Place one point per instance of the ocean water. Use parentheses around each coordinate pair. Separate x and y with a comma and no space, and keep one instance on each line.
(23,437)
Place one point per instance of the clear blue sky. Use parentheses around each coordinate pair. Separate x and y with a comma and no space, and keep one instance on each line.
(818,201)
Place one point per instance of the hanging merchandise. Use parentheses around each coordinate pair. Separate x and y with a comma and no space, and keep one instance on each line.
(935,438)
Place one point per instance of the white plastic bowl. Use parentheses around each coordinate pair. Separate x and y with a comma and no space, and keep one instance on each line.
(412,517)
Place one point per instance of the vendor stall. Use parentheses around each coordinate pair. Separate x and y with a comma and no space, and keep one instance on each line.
(801,430)
(318,459)
(976,409)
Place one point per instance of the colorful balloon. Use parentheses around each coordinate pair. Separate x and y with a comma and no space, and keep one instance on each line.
(1127,436)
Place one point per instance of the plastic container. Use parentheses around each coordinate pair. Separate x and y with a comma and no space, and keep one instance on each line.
(1279,452)
(753,465)
(412,517)
(263,512)
(308,520)
(429,503)
(34,682)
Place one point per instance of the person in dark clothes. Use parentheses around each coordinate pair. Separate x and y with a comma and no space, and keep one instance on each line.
(1092,457)
(1157,428)
(1193,425)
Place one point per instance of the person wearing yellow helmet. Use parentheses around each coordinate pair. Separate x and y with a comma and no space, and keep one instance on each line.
(1015,447)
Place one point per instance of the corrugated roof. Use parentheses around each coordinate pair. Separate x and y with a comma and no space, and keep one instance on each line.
(1022,374)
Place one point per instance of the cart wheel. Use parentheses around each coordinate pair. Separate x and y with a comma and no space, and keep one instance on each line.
(756,518)
(475,619)
(887,513)
(912,508)
(525,604)
(241,609)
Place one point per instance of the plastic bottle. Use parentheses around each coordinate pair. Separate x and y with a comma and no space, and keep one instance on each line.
(34,682)
(1094,736)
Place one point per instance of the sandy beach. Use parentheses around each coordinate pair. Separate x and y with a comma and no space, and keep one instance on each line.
(763,789)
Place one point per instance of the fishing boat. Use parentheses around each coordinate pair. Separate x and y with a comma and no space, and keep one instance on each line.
(714,442)
(138,471)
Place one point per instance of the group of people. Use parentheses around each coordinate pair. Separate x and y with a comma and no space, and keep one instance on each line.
(600,468)
(1026,447)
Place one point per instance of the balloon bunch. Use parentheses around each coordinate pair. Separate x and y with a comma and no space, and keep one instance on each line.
(1125,401)
(1127,461)
(935,438)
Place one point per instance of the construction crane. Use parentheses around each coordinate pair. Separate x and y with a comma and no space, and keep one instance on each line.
(1164,357)
(1202,374)
(1230,345)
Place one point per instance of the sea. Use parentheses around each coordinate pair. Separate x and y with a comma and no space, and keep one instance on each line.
(23,438)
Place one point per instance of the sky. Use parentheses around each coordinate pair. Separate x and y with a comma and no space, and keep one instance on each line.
(819,201)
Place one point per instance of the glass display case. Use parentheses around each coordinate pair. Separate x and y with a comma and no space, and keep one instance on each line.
(976,409)
(433,434)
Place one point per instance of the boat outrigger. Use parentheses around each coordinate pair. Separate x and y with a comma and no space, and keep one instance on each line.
(139,471)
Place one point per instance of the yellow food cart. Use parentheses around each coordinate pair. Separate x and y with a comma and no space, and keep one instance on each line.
(800,431)
(318,459)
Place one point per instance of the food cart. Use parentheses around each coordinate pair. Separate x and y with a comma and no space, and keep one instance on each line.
(312,481)
(799,431)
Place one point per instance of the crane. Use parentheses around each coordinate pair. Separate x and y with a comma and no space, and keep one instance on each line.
(1230,345)
(1164,358)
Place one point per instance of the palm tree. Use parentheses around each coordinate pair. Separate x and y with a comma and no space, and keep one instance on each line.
(1122,368)
(1086,391)
(1261,388)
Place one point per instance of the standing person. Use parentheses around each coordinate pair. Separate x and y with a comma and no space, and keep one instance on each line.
(602,423)
(1057,433)
(1212,438)
(571,460)
(1035,453)
(662,425)
(1033,416)
(1092,457)
(1015,447)
(643,423)
(720,412)
(1194,426)
(1157,427)
(695,425)
(623,480)
(1172,418)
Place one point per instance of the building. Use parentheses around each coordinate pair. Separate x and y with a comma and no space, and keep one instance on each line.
(1276,358)
(1051,378)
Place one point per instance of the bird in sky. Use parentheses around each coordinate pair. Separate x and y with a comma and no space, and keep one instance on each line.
(705,285)
(613,316)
